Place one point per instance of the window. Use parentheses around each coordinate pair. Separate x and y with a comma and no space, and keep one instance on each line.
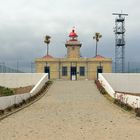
(82,71)
(64,71)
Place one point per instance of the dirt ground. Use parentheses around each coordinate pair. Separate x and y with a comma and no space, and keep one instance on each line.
(71,110)
(22,90)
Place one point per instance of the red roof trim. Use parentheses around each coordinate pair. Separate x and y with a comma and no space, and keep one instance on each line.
(99,57)
(47,56)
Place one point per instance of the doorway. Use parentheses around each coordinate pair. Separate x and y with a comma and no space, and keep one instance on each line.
(99,70)
(73,73)
(47,70)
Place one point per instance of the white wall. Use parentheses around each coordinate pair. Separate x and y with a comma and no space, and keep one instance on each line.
(106,85)
(7,101)
(39,82)
(127,82)
(132,100)
(14,80)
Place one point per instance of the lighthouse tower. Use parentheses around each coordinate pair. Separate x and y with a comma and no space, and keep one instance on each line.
(73,46)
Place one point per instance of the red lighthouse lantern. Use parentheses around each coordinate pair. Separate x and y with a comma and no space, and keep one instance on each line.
(73,36)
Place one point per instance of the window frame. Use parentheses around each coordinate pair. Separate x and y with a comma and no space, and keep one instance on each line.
(64,70)
(82,71)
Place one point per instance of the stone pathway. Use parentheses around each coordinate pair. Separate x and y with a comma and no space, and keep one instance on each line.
(71,110)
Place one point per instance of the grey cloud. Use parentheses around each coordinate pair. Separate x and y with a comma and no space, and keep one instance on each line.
(24,23)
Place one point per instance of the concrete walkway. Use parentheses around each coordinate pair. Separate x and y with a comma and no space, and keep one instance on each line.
(71,110)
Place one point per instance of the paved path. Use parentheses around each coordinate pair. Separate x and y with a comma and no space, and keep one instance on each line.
(71,110)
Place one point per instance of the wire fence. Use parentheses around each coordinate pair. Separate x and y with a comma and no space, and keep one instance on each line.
(17,67)
(29,67)
(130,67)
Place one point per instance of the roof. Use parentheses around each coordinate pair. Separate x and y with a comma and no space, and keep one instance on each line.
(99,57)
(47,56)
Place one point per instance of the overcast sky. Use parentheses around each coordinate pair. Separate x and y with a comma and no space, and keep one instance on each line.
(24,23)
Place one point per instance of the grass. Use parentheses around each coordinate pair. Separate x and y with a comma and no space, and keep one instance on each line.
(4,91)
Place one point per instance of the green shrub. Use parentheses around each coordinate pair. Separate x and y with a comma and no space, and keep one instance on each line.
(137,110)
(100,87)
(1,112)
(49,83)
(125,106)
(6,91)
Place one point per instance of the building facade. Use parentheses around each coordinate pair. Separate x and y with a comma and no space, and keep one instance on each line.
(73,66)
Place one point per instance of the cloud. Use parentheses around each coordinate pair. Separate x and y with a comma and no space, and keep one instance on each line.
(24,23)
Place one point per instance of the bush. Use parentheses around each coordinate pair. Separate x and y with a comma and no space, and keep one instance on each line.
(100,88)
(137,110)
(5,91)
(49,83)
(125,106)
(116,101)
(1,112)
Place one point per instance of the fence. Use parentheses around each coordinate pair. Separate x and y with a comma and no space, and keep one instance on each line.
(29,67)
(130,67)
(17,67)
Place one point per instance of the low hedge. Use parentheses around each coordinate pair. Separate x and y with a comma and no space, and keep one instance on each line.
(4,91)
(118,102)
(100,88)
(24,102)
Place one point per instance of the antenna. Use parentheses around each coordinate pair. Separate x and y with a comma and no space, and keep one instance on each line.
(119,42)
(120,14)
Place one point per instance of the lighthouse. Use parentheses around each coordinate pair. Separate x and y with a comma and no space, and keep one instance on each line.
(73,45)
(73,66)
